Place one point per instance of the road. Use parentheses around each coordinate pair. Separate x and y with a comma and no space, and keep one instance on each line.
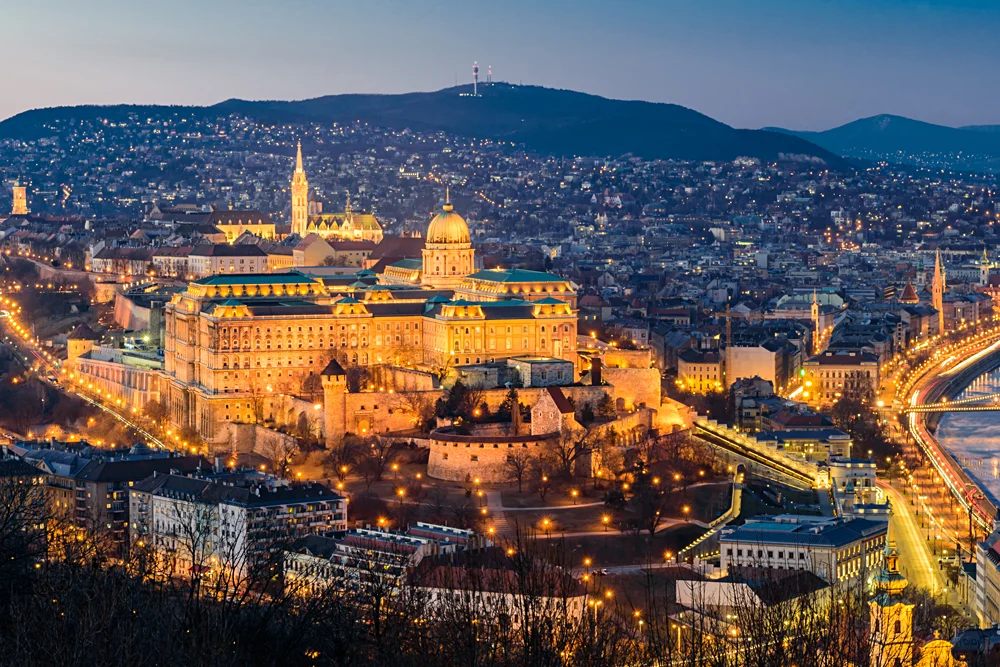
(19,338)
(916,561)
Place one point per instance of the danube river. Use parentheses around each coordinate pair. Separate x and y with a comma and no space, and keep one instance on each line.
(973,438)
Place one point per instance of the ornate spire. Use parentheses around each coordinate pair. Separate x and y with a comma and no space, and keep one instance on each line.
(298,157)
(347,206)
(447,199)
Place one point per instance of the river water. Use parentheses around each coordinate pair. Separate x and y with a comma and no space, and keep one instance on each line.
(973,438)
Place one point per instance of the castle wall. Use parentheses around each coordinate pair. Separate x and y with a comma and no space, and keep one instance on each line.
(457,458)
(641,359)
(252,439)
(129,315)
(635,386)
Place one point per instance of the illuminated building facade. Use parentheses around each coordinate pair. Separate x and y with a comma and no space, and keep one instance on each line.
(233,341)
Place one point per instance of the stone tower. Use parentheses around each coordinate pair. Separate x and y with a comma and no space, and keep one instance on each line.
(334,401)
(938,287)
(890,615)
(300,196)
(20,206)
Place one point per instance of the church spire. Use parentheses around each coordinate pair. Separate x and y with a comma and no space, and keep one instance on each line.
(937,290)
(300,195)
(347,206)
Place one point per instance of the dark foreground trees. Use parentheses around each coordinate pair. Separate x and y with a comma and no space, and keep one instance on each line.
(65,601)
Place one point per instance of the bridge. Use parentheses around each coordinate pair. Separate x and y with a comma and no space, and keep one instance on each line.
(762,460)
(971,404)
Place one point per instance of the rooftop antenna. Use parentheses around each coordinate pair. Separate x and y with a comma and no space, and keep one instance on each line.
(475,79)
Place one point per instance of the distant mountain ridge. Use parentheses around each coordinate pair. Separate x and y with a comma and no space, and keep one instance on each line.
(560,122)
(887,134)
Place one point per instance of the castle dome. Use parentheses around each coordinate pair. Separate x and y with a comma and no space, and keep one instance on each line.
(448,227)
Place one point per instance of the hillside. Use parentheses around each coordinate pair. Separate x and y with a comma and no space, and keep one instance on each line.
(560,122)
(909,140)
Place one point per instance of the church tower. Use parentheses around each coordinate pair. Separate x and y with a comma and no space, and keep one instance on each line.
(300,196)
(937,291)
(817,332)
(448,255)
(20,206)
(890,615)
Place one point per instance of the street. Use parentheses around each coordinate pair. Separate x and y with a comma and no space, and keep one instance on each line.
(916,561)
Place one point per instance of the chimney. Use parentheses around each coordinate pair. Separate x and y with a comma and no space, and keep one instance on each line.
(595,371)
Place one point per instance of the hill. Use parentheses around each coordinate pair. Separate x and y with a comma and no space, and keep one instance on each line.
(553,121)
(909,141)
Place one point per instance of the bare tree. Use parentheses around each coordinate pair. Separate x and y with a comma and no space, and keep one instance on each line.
(376,456)
(278,450)
(572,445)
(517,465)
(342,457)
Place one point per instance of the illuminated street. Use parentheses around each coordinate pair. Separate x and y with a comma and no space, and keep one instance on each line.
(917,562)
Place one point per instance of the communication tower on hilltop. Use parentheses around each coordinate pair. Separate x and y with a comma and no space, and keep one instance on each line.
(475,79)
(489,75)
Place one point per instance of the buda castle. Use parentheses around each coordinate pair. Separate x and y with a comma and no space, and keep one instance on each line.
(232,340)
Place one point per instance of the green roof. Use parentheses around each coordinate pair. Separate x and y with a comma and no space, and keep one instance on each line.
(516,276)
(231,302)
(411,264)
(491,304)
(293,278)
(550,301)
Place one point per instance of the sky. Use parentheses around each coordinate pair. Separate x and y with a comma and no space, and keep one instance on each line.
(801,64)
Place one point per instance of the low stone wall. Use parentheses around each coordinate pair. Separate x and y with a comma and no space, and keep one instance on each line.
(456,458)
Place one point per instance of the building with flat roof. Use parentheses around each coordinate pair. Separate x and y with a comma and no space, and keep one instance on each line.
(834,549)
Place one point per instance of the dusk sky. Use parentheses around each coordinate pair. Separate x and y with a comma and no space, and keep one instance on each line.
(803,64)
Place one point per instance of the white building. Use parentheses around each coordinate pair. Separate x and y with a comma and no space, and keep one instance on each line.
(203,527)
(210,260)
(364,556)
(834,549)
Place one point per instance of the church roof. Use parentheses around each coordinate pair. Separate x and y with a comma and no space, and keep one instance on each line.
(248,217)
(909,294)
